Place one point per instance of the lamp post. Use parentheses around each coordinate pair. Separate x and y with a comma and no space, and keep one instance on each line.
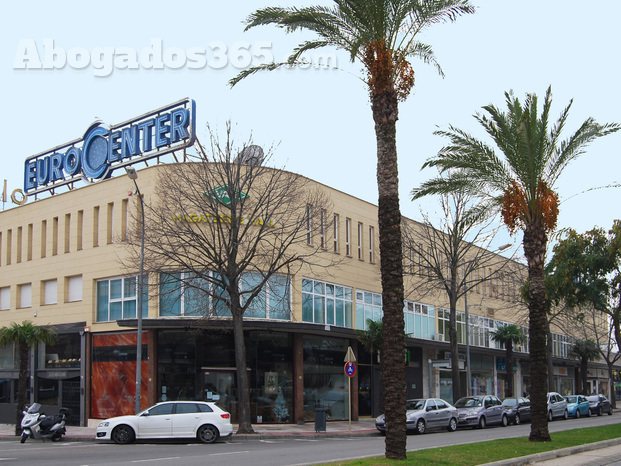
(467,272)
(133,175)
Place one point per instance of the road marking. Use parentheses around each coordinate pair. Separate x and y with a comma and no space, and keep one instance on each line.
(228,453)
(157,459)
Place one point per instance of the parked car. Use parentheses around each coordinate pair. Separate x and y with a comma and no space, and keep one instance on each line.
(425,414)
(204,421)
(578,405)
(599,405)
(557,406)
(517,409)
(479,411)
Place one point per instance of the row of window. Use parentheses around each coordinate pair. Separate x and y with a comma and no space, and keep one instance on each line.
(57,235)
(322,231)
(48,293)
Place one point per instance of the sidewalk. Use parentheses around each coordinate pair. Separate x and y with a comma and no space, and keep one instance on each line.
(262,431)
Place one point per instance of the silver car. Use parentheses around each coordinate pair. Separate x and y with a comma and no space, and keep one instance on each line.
(424,414)
(481,410)
(557,406)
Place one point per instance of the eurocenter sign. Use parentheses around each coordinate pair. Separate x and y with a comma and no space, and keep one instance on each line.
(104,149)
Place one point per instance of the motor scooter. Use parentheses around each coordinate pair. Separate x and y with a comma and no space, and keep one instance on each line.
(39,426)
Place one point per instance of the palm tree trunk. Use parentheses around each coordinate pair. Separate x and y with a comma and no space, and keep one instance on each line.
(385,111)
(535,241)
(456,381)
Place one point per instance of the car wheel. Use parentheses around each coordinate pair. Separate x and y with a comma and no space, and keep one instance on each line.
(517,420)
(123,435)
(420,427)
(24,438)
(600,411)
(577,413)
(550,417)
(504,421)
(207,434)
(565,415)
(588,412)
(482,422)
(452,427)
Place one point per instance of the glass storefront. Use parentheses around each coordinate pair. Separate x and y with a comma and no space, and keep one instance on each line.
(325,384)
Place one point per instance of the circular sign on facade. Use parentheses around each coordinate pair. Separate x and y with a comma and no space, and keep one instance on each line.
(350,369)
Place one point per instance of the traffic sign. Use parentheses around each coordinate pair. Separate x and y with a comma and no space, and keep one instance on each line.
(350,369)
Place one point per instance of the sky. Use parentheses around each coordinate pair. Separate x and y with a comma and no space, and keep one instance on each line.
(318,118)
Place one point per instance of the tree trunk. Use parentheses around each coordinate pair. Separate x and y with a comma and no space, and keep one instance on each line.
(243,387)
(456,381)
(584,362)
(549,353)
(509,362)
(22,385)
(385,107)
(535,241)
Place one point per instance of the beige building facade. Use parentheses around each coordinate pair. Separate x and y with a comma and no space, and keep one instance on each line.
(63,263)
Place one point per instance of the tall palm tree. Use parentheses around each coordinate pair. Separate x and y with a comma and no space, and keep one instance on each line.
(381,34)
(508,336)
(24,336)
(585,351)
(520,183)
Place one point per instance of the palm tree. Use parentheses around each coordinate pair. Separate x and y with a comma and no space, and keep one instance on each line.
(381,34)
(24,336)
(372,339)
(508,336)
(585,351)
(521,186)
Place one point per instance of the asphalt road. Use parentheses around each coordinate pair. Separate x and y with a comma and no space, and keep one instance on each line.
(256,452)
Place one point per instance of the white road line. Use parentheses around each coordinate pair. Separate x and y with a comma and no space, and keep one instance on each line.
(157,459)
(229,453)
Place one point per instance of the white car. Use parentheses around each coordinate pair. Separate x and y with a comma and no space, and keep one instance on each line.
(172,419)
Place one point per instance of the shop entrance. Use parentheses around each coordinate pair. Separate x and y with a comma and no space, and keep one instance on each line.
(220,385)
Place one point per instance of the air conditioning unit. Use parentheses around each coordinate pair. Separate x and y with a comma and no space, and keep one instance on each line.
(438,337)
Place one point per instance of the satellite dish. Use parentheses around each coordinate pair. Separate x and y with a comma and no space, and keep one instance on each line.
(251,155)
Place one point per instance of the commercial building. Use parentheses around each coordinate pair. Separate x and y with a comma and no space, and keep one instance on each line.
(63,263)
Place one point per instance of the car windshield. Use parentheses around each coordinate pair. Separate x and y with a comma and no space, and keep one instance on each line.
(415,405)
(593,398)
(510,402)
(571,399)
(468,403)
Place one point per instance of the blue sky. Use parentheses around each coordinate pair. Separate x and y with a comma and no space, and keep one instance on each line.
(320,118)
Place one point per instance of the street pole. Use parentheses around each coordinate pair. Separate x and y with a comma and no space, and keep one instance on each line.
(468,265)
(133,175)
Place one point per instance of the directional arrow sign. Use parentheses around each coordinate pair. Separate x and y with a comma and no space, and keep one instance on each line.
(349,357)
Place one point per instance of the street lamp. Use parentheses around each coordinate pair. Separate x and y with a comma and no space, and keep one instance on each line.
(467,272)
(133,175)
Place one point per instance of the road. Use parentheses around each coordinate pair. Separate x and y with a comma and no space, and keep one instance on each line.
(283,451)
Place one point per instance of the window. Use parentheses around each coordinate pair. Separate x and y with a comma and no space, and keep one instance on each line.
(309,225)
(443,325)
(322,229)
(368,306)
(371,244)
(348,236)
(336,233)
(74,288)
(185,294)
(5,298)
(360,254)
(326,303)
(50,292)
(25,295)
(420,320)
(116,299)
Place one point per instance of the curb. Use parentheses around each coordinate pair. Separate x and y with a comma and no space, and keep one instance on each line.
(553,454)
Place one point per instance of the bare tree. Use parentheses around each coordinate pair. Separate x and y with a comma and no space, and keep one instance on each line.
(453,258)
(229,229)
